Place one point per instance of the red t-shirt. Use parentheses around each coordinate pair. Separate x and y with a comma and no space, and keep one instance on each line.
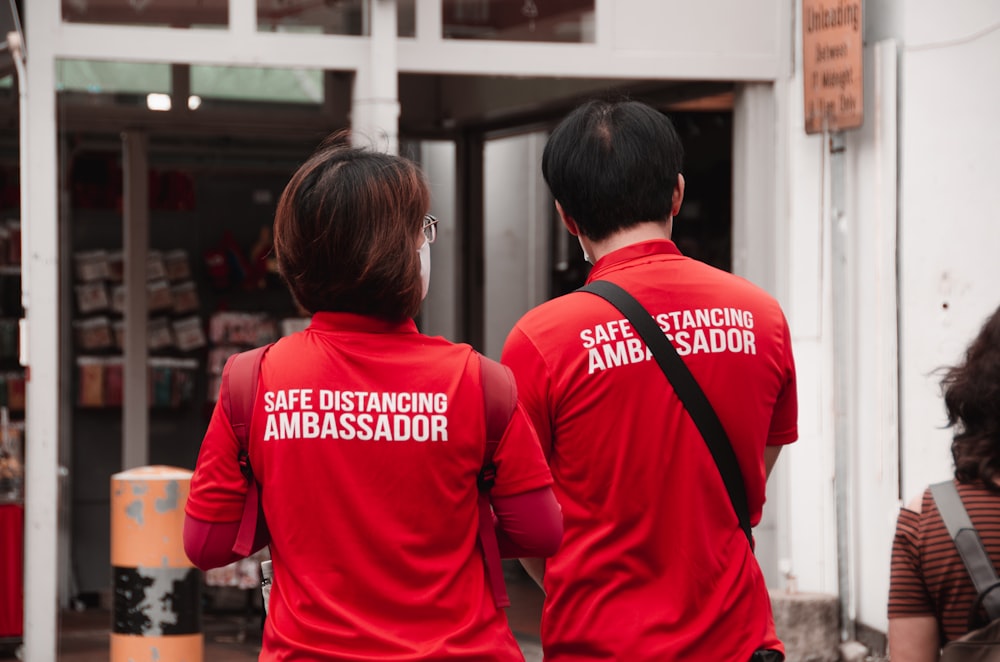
(367,438)
(654,565)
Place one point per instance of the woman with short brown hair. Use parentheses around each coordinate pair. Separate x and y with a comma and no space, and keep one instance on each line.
(344,230)
(367,441)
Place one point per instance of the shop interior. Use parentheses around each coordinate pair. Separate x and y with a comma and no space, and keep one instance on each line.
(222,143)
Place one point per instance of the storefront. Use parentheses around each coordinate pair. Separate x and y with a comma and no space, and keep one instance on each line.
(173,164)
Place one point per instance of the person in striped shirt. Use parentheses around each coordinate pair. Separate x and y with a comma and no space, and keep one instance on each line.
(930,592)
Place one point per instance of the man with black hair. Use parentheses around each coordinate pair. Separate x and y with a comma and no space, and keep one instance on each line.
(654,564)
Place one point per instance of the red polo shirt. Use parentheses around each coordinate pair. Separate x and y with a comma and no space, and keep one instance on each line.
(654,565)
(367,438)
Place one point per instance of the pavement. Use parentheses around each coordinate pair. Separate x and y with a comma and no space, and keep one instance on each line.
(233,634)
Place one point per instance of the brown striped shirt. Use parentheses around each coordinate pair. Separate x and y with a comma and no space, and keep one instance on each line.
(928,577)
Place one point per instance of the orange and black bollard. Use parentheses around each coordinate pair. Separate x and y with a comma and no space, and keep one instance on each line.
(157,591)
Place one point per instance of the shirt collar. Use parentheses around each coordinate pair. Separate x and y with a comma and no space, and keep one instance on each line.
(327,321)
(643,249)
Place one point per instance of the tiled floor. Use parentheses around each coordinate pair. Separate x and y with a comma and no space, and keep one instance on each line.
(232,637)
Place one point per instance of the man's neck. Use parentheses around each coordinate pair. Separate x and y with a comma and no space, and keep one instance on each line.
(633,235)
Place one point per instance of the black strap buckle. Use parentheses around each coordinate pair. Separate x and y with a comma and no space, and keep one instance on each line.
(244,461)
(487,477)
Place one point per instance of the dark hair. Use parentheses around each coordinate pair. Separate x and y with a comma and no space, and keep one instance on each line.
(347,229)
(612,165)
(972,399)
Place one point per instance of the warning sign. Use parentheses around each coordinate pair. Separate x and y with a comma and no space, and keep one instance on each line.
(832,64)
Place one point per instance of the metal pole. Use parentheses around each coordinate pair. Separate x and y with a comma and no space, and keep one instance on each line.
(135,394)
(841,373)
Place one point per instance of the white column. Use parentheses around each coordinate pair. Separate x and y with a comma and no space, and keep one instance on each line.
(429,21)
(375,105)
(40,295)
(754,223)
(243,17)
(135,230)
(755,257)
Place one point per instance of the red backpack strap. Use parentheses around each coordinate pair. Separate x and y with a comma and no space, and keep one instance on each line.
(499,400)
(240,378)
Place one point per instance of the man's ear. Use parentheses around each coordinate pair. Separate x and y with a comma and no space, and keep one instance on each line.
(678,196)
(567,220)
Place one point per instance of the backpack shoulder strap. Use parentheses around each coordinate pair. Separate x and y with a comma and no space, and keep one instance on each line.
(499,400)
(240,378)
(970,546)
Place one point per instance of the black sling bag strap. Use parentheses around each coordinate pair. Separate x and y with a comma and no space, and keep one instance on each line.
(687,389)
(970,546)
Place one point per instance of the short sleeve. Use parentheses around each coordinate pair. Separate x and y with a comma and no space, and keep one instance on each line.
(521,466)
(218,489)
(532,375)
(908,595)
(784,418)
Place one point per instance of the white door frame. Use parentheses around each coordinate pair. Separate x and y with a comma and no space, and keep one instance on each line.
(49,39)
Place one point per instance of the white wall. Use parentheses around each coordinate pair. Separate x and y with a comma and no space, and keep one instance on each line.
(650,39)
(922,239)
(707,29)
(949,228)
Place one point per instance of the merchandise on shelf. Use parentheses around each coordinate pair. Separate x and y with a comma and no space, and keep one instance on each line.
(170,295)
(247,329)
(158,295)
(92,297)
(93,333)
(155,267)
(177,265)
(159,334)
(234,332)
(188,333)
(185,297)
(171,381)
(91,266)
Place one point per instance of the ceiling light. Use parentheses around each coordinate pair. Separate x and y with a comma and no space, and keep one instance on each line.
(157,101)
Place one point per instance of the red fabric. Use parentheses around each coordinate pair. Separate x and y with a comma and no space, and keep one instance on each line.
(210,544)
(11,570)
(374,541)
(653,564)
(529,524)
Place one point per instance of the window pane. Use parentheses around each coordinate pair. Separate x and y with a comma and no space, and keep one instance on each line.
(112,77)
(176,13)
(406,18)
(258,84)
(345,17)
(519,20)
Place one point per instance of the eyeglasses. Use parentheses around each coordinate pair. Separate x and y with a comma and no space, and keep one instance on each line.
(429,228)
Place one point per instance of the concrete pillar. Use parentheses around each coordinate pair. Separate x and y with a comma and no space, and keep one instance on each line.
(375,104)
(157,591)
(808,624)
